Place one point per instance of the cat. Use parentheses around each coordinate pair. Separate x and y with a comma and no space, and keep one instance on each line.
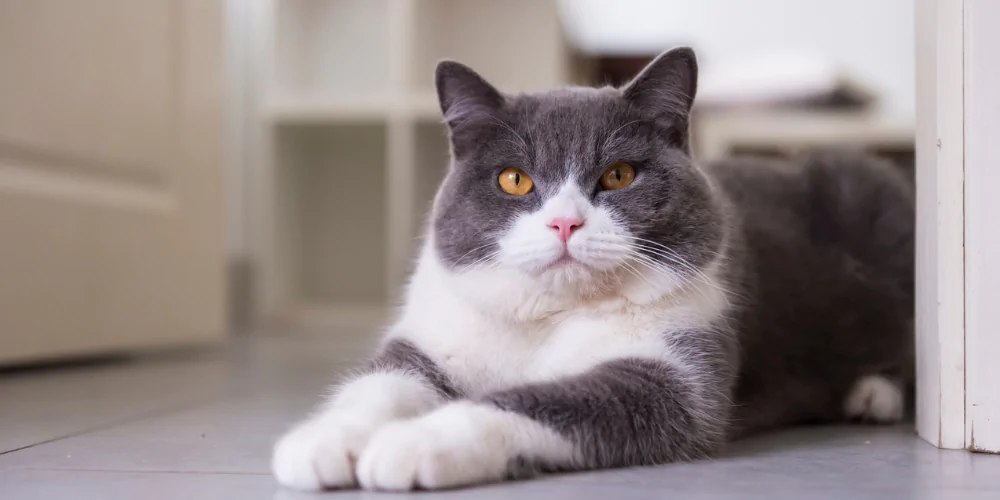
(589,297)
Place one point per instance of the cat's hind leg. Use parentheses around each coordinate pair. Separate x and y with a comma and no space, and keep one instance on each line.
(876,399)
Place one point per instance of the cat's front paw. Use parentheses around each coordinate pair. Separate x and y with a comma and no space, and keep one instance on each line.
(320,454)
(458,445)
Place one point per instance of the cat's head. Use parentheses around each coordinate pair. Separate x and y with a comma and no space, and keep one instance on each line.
(575,191)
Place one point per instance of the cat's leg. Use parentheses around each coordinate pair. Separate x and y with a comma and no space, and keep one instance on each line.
(620,413)
(875,398)
(319,453)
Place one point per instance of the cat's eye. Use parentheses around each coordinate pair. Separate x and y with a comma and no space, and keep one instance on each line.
(514,181)
(617,176)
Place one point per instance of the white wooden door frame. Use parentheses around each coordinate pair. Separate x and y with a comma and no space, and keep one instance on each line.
(958,181)
(982,230)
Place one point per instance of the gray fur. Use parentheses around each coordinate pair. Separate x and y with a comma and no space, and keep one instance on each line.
(402,355)
(817,253)
(575,134)
(622,413)
(830,258)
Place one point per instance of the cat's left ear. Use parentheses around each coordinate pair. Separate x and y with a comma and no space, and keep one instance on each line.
(666,87)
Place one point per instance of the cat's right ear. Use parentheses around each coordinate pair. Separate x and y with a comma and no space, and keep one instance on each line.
(666,89)
(465,97)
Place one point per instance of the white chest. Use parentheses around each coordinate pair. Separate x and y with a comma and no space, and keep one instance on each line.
(482,352)
(482,356)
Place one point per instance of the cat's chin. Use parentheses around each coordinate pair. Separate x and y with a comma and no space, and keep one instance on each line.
(566,261)
(571,275)
(564,265)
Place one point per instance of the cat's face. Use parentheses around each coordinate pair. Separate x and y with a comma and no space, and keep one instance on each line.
(576,189)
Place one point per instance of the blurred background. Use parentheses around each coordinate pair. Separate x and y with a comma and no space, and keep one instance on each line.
(178,172)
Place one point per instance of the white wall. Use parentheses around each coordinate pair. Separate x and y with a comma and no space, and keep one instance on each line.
(873,39)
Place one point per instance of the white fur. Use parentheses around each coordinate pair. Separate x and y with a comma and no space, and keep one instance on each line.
(485,351)
(605,264)
(320,452)
(458,444)
(875,398)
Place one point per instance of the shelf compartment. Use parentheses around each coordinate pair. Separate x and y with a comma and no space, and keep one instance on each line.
(331,224)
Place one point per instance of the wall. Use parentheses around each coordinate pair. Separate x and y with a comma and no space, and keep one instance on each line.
(873,39)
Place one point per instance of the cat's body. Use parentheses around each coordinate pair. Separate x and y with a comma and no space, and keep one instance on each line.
(830,243)
(573,320)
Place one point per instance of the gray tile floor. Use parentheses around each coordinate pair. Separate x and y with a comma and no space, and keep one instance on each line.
(200,424)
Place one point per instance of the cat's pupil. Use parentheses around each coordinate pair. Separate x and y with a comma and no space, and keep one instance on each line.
(517,179)
(618,173)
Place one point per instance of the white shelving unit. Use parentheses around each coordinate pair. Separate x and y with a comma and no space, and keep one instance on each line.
(350,143)
(718,133)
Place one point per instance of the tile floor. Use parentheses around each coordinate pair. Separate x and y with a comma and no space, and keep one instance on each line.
(200,425)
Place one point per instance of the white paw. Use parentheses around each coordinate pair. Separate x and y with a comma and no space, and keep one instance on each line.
(875,398)
(457,445)
(320,454)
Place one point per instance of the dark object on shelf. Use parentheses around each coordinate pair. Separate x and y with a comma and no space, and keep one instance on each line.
(618,70)
(902,158)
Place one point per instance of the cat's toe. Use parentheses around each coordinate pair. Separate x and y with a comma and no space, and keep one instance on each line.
(875,398)
(440,450)
(319,455)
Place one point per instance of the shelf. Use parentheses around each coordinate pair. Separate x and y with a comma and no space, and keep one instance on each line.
(328,109)
(353,147)
(718,132)
(424,106)
(337,46)
(431,160)
(341,109)
(331,220)
(334,316)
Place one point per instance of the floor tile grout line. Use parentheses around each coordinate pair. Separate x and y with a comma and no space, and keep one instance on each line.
(124,421)
(140,471)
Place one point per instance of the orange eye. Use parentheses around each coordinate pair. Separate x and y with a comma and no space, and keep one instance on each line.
(514,181)
(617,176)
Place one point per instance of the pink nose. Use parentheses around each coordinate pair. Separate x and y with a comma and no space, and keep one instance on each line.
(565,226)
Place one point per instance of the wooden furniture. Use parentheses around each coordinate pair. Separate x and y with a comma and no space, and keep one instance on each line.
(351,145)
(112,150)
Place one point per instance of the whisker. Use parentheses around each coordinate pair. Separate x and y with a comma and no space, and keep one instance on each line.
(662,269)
(524,144)
(634,272)
(612,135)
(672,255)
(663,249)
(484,258)
(466,254)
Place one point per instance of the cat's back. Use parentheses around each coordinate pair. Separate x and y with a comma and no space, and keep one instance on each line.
(837,201)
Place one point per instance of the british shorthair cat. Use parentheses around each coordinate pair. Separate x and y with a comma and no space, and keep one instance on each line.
(590,297)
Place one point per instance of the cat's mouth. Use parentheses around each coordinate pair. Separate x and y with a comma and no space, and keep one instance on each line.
(564,260)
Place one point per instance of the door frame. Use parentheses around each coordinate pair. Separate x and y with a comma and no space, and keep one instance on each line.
(958,284)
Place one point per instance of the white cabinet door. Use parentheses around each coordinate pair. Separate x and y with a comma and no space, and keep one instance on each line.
(111,175)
